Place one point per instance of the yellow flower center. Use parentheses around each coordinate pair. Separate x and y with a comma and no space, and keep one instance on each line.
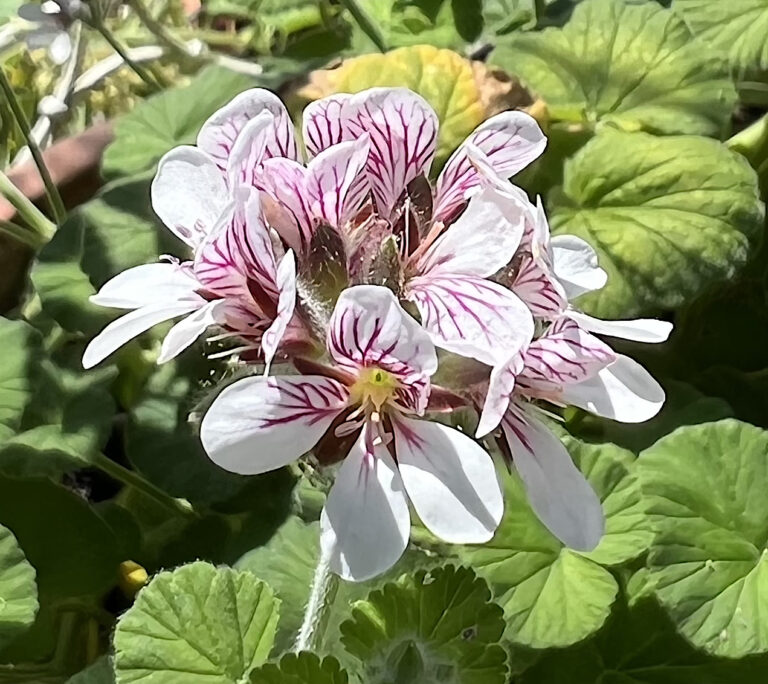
(374,385)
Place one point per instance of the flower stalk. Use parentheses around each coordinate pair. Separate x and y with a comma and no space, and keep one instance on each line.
(366,23)
(114,43)
(52,192)
(40,229)
(325,584)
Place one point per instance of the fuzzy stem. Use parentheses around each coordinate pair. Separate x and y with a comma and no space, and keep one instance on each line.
(366,23)
(325,584)
(51,191)
(36,220)
(160,31)
(131,478)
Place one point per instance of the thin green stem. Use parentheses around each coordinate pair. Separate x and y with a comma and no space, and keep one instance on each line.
(159,30)
(366,23)
(139,70)
(322,594)
(131,478)
(35,218)
(20,234)
(52,192)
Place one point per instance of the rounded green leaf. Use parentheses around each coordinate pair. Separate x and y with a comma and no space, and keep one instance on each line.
(637,66)
(22,346)
(553,596)
(100,672)
(18,591)
(301,668)
(428,628)
(196,624)
(706,490)
(667,216)
(736,28)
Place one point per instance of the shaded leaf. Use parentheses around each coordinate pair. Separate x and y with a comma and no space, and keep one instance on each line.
(18,591)
(301,668)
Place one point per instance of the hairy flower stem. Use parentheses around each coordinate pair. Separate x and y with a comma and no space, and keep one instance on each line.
(40,229)
(366,23)
(159,30)
(58,211)
(133,479)
(325,584)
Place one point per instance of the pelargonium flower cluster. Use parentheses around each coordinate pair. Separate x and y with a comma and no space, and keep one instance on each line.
(386,300)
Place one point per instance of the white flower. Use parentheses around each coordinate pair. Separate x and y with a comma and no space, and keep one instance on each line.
(51,20)
(382,363)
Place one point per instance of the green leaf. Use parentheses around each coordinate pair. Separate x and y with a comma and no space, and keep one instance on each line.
(100,672)
(428,627)
(18,591)
(640,646)
(73,551)
(196,624)
(668,217)
(22,345)
(169,119)
(736,29)
(553,596)
(302,668)
(636,66)
(705,487)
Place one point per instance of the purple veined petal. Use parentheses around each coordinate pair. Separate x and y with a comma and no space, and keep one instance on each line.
(558,493)
(564,355)
(188,329)
(483,239)
(146,285)
(623,391)
(365,524)
(472,317)
(286,181)
(575,265)
(336,184)
(286,304)
(260,424)
(322,123)
(368,327)
(501,386)
(640,329)
(450,479)
(403,132)
(188,193)
(238,248)
(125,328)
(541,292)
(248,151)
(510,141)
(218,135)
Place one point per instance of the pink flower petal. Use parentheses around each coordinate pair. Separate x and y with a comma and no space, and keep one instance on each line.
(472,316)
(510,141)
(322,123)
(260,424)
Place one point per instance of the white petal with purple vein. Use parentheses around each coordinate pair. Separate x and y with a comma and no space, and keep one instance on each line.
(286,303)
(450,480)
(188,329)
(481,241)
(260,424)
(368,327)
(322,123)
(639,329)
(219,133)
(472,317)
(510,141)
(188,193)
(624,391)
(146,285)
(365,524)
(558,493)
(125,328)
(247,155)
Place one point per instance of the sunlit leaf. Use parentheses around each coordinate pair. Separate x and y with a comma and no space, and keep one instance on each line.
(196,624)
(18,591)
(668,217)
(302,668)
